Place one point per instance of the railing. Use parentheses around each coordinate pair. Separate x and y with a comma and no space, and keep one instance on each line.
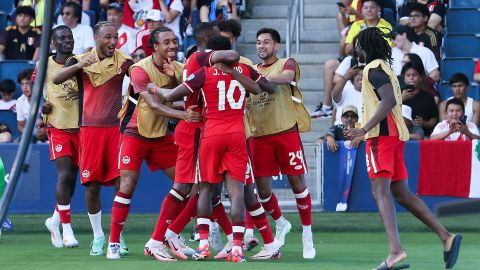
(295,19)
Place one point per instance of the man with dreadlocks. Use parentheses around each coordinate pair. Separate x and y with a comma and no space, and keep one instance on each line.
(386,133)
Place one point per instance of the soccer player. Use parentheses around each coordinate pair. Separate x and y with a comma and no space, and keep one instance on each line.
(99,74)
(276,143)
(62,130)
(386,133)
(223,154)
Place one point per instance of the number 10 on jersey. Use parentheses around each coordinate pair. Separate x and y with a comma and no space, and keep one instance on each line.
(229,95)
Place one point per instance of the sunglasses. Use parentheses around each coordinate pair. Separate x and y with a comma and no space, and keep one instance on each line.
(140,55)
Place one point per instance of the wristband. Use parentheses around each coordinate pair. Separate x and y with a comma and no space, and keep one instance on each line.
(364,131)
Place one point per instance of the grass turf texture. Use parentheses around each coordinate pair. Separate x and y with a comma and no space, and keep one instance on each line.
(343,241)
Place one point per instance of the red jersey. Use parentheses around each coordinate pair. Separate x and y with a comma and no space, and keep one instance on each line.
(223,97)
(99,106)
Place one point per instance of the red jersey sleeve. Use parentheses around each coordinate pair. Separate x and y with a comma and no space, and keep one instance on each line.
(291,64)
(254,75)
(34,75)
(139,79)
(196,80)
(204,58)
(477,67)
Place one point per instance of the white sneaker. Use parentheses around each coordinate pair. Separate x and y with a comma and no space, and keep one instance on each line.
(55,235)
(158,252)
(308,247)
(69,241)
(123,246)
(225,252)
(113,251)
(267,254)
(184,247)
(215,238)
(281,231)
(173,244)
(341,207)
(250,242)
(97,246)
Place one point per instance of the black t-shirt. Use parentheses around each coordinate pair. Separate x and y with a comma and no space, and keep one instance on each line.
(423,105)
(19,46)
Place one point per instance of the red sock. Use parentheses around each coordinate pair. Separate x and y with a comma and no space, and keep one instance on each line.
(120,208)
(260,218)
(173,204)
(304,206)
(64,213)
(271,206)
(248,221)
(219,215)
(238,228)
(189,212)
(203,225)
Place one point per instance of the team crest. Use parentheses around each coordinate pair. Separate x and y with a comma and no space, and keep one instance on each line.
(30,41)
(58,148)
(126,159)
(85,174)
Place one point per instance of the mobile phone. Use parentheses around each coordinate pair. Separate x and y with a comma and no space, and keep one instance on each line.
(408,87)
(340,4)
(353,62)
(463,119)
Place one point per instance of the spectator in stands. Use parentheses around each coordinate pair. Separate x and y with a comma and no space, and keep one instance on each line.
(7,90)
(231,29)
(171,14)
(5,133)
(154,20)
(217,10)
(126,37)
(21,41)
(476,73)
(38,6)
(85,18)
(23,102)
(136,11)
(349,117)
(455,127)
(436,8)
(415,132)
(459,85)
(430,83)
(347,92)
(430,38)
(414,95)
(404,39)
(349,11)
(83,35)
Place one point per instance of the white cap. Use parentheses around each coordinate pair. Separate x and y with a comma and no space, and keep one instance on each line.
(154,15)
(407,112)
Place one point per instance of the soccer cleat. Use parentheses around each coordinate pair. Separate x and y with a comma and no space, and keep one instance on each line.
(173,243)
(308,247)
(201,254)
(281,231)
(341,207)
(267,254)
(113,251)
(55,235)
(225,252)
(194,236)
(250,242)
(97,246)
(184,247)
(123,246)
(215,238)
(69,241)
(7,225)
(236,256)
(157,251)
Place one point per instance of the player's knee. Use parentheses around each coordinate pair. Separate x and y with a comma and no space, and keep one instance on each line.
(264,193)
(183,188)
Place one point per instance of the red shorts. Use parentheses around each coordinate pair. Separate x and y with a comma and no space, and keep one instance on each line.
(158,154)
(385,158)
(223,153)
(64,144)
(99,154)
(278,153)
(187,139)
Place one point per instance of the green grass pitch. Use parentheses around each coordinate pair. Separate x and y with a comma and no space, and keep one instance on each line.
(343,241)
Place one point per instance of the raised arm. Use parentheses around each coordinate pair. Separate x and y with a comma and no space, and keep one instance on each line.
(250,85)
(169,94)
(155,103)
(229,57)
(72,67)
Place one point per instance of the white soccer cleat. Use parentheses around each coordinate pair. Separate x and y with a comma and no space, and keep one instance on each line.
(308,247)
(123,246)
(184,247)
(173,243)
(70,241)
(97,246)
(267,254)
(341,207)
(250,242)
(215,238)
(157,251)
(281,231)
(225,252)
(55,235)
(113,251)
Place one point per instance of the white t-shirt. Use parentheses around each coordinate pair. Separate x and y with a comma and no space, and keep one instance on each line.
(8,105)
(126,39)
(175,24)
(83,37)
(23,108)
(85,19)
(427,56)
(444,126)
(344,66)
(350,96)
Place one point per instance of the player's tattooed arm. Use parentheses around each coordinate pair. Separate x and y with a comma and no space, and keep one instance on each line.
(250,85)
(72,67)
(267,86)
(156,104)
(229,57)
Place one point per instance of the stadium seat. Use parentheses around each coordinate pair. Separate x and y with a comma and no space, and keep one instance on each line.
(462,45)
(450,66)
(10,118)
(6,6)
(3,20)
(464,4)
(9,69)
(463,21)
(93,17)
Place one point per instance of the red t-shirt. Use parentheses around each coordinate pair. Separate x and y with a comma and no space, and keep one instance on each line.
(99,106)
(224,98)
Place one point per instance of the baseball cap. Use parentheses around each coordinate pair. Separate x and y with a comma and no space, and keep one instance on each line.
(400,29)
(407,112)
(118,7)
(350,108)
(154,15)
